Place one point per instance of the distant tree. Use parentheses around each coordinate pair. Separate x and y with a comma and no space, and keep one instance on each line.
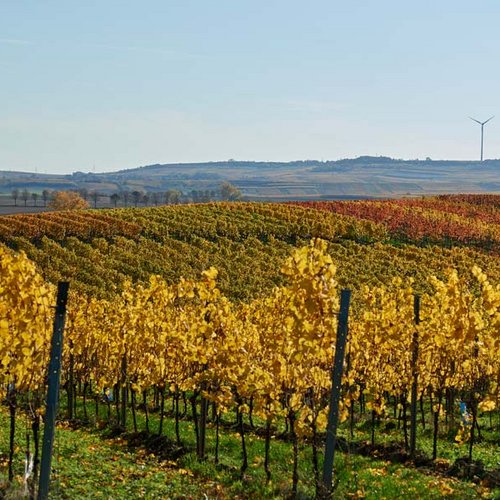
(45,196)
(137,197)
(34,196)
(67,200)
(25,195)
(94,195)
(145,199)
(229,192)
(173,196)
(156,198)
(84,193)
(15,196)
(126,197)
(114,198)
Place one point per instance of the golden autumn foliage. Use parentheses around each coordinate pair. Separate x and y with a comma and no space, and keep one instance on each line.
(67,200)
(275,353)
(25,323)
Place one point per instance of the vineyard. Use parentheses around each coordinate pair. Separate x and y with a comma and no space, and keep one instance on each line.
(222,318)
(446,220)
(247,243)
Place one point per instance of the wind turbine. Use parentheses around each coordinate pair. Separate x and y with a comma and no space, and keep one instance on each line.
(482,131)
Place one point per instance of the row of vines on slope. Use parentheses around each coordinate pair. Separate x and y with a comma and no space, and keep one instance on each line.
(248,244)
(442,220)
(270,357)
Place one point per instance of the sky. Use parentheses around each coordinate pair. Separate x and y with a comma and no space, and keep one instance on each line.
(103,85)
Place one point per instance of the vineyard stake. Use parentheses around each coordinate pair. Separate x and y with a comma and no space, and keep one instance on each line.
(124,390)
(414,385)
(333,415)
(71,384)
(53,389)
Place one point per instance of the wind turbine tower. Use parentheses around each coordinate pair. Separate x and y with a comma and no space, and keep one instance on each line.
(482,131)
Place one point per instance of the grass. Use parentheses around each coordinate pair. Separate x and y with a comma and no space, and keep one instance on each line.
(486,450)
(89,462)
(87,466)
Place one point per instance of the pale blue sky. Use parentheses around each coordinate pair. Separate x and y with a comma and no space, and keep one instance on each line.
(126,83)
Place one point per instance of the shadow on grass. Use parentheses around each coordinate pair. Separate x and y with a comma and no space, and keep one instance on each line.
(161,446)
(462,468)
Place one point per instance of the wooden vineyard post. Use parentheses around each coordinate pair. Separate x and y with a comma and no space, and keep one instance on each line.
(333,414)
(53,389)
(414,385)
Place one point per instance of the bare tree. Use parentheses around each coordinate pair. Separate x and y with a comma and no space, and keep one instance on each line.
(126,197)
(24,196)
(95,197)
(156,198)
(83,192)
(114,198)
(137,197)
(34,196)
(45,196)
(15,196)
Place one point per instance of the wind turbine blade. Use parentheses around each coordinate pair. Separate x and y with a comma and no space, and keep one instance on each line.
(474,120)
(488,119)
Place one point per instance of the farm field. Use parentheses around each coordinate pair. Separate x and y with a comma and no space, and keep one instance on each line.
(247,243)
(233,377)
(279,181)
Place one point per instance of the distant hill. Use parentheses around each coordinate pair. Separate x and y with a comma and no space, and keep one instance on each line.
(366,176)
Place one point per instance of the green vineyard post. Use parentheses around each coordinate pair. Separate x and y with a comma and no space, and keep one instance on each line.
(333,415)
(53,389)
(414,385)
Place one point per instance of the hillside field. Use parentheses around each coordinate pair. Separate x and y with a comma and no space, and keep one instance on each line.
(363,177)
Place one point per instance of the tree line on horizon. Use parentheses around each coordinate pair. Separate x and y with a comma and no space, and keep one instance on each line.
(136,198)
